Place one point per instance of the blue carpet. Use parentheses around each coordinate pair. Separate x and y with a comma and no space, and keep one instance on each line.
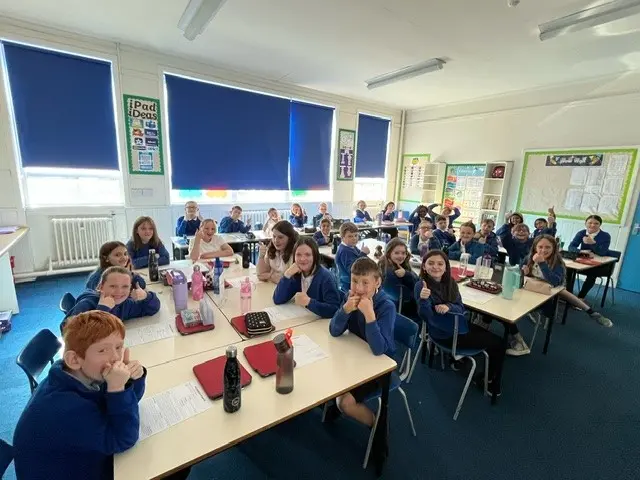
(569,415)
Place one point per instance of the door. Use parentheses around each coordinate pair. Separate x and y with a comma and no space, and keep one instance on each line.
(629,278)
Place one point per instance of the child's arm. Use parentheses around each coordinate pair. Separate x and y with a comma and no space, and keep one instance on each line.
(319,238)
(286,289)
(574,246)
(138,280)
(409,280)
(413,244)
(85,305)
(339,322)
(435,243)
(225,225)
(504,230)
(367,217)
(243,228)
(331,299)
(379,333)
(425,305)
(457,307)
(137,261)
(225,251)
(555,277)
(263,269)
(139,385)
(164,255)
(454,215)
(94,279)
(141,308)
(455,251)
(551,229)
(603,242)
(430,211)
(181,226)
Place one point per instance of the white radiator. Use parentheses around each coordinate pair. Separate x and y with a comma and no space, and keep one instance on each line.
(78,240)
(260,216)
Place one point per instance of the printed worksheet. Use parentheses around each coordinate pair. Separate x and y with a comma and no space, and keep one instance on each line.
(306,351)
(289,311)
(148,334)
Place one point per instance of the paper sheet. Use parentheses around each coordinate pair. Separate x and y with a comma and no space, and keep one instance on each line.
(618,164)
(148,333)
(235,282)
(281,313)
(609,205)
(613,185)
(595,177)
(589,203)
(578,176)
(573,199)
(170,407)
(306,351)
(476,296)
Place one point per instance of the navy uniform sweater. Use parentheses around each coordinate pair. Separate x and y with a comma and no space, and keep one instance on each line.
(298,221)
(323,291)
(321,240)
(393,284)
(473,248)
(601,247)
(361,216)
(441,327)
(128,309)
(229,225)
(345,256)
(421,249)
(445,238)
(516,249)
(140,258)
(187,227)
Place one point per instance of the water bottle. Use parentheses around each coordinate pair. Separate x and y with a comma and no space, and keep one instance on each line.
(510,281)
(246,256)
(197,284)
(379,218)
(180,291)
(217,274)
(232,393)
(336,243)
(464,263)
(284,362)
(246,288)
(478,272)
(154,275)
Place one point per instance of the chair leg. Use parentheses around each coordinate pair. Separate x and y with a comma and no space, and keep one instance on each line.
(604,293)
(406,405)
(372,434)
(432,351)
(486,373)
(613,294)
(466,387)
(535,330)
(421,345)
(324,411)
(441,360)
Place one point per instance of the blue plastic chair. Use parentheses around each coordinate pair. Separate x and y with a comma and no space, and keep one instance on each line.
(67,302)
(36,354)
(457,354)
(258,226)
(6,456)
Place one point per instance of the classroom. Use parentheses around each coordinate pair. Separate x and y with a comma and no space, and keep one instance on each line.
(248,239)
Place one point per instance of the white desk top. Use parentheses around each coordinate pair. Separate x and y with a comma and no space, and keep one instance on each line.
(10,239)
(582,266)
(167,349)
(350,363)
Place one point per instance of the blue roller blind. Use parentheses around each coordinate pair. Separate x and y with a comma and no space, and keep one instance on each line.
(226,139)
(63,108)
(310,146)
(371,149)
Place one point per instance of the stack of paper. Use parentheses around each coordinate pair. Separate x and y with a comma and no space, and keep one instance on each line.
(281,313)
(149,333)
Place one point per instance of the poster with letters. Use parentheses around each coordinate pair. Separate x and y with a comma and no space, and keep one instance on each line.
(144,135)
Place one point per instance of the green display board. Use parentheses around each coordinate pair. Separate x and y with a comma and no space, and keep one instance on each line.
(144,135)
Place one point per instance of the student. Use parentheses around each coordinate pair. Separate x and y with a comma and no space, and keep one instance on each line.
(144,238)
(446,212)
(348,253)
(512,219)
(322,213)
(306,281)
(467,244)
(442,233)
(361,215)
(369,314)
(116,296)
(298,216)
(112,254)
(189,223)
(419,215)
(438,298)
(86,409)
(398,279)
(273,217)
(274,259)
(545,225)
(207,244)
(517,243)
(424,239)
(487,238)
(593,241)
(389,215)
(545,263)
(323,236)
(232,223)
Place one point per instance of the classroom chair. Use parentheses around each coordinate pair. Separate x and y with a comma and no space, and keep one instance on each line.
(610,267)
(36,354)
(67,302)
(459,354)
(6,456)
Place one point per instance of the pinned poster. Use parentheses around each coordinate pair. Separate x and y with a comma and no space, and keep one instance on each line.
(144,135)
(346,155)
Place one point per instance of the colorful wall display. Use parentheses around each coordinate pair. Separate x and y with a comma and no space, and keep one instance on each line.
(144,135)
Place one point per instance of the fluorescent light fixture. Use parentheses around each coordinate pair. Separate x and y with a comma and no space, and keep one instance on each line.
(406,73)
(197,16)
(589,18)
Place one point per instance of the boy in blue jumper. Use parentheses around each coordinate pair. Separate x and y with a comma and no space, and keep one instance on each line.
(419,215)
(189,223)
(322,213)
(424,239)
(442,233)
(115,295)
(323,236)
(488,238)
(348,253)
(144,238)
(467,244)
(369,314)
(517,243)
(446,212)
(306,281)
(545,226)
(86,410)
(232,223)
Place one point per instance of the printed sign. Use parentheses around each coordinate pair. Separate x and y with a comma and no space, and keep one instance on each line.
(593,160)
(346,155)
(144,135)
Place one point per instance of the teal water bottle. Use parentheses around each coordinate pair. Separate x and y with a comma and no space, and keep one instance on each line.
(510,281)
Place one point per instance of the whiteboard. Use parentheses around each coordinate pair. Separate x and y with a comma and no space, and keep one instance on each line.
(577,183)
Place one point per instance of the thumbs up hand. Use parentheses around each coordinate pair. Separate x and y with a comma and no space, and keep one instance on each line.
(138,293)
(136,370)
(425,292)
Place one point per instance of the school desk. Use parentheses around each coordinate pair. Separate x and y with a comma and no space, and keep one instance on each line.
(8,297)
(349,363)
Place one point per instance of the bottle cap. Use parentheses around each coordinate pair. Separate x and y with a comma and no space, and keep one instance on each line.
(282,341)
(232,351)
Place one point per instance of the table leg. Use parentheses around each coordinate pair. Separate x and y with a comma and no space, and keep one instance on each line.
(380,447)
(552,320)
(505,345)
(564,313)
(571,279)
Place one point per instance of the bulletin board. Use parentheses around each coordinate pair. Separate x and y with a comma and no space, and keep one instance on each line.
(144,135)
(463,187)
(577,183)
(345,167)
(412,175)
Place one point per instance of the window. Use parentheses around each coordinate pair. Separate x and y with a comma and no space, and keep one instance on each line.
(372,149)
(62,110)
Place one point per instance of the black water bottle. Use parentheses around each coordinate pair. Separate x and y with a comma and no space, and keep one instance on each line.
(336,243)
(246,256)
(231,396)
(154,275)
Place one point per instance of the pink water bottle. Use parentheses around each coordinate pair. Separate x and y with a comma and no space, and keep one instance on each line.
(245,295)
(197,284)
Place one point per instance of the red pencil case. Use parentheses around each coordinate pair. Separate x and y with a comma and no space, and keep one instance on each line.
(189,330)
(210,374)
(262,358)
(588,261)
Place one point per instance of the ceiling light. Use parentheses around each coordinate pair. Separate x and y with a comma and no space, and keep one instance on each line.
(588,18)
(406,73)
(197,16)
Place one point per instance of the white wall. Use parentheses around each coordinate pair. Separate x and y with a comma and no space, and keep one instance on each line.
(140,72)
(598,113)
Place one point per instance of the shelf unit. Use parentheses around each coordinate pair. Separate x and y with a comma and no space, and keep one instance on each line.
(494,193)
(433,180)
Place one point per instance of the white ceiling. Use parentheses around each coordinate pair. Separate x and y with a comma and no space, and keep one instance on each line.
(335,45)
